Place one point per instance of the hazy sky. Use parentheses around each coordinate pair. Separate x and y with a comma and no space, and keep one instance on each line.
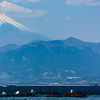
(57,19)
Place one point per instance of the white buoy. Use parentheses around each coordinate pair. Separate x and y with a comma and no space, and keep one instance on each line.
(4,93)
(17,92)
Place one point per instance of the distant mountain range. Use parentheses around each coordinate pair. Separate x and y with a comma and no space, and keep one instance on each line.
(12,32)
(69,61)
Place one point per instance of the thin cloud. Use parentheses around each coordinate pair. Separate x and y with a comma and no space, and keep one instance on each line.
(83,2)
(46,20)
(26,1)
(61,11)
(20,11)
(67,18)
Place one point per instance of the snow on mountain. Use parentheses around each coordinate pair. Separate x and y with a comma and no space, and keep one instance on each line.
(12,32)
(6,19)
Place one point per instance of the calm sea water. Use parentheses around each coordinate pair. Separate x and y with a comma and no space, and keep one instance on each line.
(54,89)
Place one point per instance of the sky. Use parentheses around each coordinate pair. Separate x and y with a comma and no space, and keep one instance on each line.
(57,19)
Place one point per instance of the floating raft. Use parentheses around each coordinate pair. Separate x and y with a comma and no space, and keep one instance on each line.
(46,95)
(75,95)
(68,95)
(13,95)
(33,94)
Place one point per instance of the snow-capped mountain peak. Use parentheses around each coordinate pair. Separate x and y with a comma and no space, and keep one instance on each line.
(12,32)
(6,19)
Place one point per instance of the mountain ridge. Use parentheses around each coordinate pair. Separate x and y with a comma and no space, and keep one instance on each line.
(69,42)
(46,62)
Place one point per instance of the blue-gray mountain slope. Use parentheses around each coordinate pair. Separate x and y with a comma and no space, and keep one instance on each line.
(45,62)
(9,47)
(10,34)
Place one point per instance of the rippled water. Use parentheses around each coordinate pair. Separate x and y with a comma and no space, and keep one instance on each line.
(90,97)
